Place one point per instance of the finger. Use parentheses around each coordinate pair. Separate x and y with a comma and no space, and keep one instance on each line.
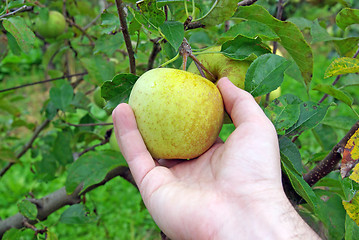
(131,143)
(239,104)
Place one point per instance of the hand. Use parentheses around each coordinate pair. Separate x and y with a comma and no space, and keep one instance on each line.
(233,190)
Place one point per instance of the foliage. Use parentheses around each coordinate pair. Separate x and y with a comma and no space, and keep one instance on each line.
(53,135)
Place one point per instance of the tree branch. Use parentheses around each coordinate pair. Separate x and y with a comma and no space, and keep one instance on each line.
(82,30)
(27,146)
(58,199)
(329,163)
(246,2)
(126,36)
(155,50)
(21,9)
(43,81)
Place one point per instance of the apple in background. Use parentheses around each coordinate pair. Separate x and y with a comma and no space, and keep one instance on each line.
(179,114)
(221,66)
(113,142)
(53,27)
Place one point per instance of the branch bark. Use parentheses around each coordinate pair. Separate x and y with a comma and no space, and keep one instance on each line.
(329,163)
(126,36)
(43,81)
(246,2)
(58,199)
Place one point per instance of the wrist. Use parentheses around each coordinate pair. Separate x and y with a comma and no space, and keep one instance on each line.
(272,217)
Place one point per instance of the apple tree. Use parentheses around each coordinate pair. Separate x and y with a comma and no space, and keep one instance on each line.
(65,65)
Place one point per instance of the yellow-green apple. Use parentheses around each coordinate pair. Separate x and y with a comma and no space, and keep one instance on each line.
(53,27)
(221,66)
(179,114)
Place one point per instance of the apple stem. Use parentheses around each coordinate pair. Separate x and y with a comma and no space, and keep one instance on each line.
(200,69)
(186,51)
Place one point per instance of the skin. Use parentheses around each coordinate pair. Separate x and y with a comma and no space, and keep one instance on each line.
(233,190)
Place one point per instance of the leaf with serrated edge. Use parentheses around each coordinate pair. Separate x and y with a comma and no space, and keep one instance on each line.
(28,209)
(25,38)
(310,115)
(173,32)
(342,65)
(336,93)
(265,74)
(352,208)
(350,154)
(346,17)
(92,168)
(291,38)
(220,11)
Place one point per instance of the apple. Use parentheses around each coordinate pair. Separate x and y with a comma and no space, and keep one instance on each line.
(274,94)
(113,142)
(221,66)
(179,114)
(53,27)
(98,100)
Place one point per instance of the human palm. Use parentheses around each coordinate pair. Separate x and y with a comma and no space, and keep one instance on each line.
(224,188)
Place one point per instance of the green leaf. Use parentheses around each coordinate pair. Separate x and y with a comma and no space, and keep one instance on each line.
(76,214)
(173,32)
(25,38)
(301,186)
(250,29)
(290,36)
(62,97)
(108,44)
(310,115)
(27,209)
(243,48)
(319,34)
(109,22)
(91,168)
(14,47)
(290,155)
(99,69)
(220,11)
(336,93)
(149,10)
(347,17)
(62,148)
(348,46)
(265,74)
(342,65)
(351,229)
(283,112)
(118,89)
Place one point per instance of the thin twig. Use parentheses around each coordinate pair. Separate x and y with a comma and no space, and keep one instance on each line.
(126,36)
(88,124)
(82,30)
(27,146)
(246,2)
(329,163)
(103,142)
(21,9)
(43,81)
